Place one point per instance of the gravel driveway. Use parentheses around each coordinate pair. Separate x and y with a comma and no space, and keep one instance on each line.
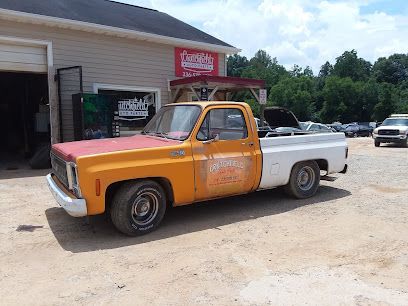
(347,245)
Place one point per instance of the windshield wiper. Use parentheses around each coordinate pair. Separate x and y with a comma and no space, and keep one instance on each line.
(159,134)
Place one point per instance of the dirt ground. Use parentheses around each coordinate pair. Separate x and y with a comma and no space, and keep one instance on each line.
(346,246)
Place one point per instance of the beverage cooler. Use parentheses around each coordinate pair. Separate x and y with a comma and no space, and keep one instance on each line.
(99,116)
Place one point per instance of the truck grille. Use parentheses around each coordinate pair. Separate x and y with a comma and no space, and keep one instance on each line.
(59,168)
(388,132)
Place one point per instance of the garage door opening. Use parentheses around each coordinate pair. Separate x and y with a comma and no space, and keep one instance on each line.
(24,117)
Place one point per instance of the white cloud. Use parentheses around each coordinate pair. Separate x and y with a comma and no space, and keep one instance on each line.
(303,32)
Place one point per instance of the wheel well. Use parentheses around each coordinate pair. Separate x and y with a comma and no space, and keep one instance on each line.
(323,164)
(163,182)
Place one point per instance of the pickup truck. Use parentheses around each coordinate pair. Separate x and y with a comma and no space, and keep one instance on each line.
(392,130)
(188,152)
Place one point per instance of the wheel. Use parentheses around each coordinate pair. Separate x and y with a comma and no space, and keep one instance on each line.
(304,180)
(377,143)
(138,207)
(355,135)
(405,143)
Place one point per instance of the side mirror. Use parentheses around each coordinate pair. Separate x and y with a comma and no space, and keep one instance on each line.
(216,138)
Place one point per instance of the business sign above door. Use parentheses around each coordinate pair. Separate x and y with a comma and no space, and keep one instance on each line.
(133,108)
(191,62)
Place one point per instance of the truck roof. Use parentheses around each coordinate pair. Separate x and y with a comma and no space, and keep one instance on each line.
(205,104)
(399,116)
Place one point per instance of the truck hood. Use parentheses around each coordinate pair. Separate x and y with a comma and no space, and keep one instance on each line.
(70,151)
(280,117)
(393,127)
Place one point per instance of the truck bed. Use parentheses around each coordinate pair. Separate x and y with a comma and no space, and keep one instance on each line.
(279,154)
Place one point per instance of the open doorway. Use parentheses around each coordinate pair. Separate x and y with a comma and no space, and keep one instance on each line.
(24,117)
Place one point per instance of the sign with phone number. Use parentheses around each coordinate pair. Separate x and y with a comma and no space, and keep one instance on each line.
(190,62)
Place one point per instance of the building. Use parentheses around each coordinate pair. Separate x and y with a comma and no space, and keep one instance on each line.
(53,49)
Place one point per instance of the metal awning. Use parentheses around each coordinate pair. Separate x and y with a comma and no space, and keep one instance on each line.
(207,87)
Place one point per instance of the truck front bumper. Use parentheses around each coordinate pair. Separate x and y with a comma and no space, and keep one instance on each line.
(387,138)
(73,206)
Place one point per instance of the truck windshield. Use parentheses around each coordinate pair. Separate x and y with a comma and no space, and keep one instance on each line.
(173,122)
(396,121)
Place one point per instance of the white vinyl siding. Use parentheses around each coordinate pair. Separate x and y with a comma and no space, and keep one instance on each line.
(104,59)
(20,57)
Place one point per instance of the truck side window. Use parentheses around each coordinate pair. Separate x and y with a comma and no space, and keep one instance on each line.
(228,123)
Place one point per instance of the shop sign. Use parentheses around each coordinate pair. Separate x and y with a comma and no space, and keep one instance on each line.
(133,108)
(191,62)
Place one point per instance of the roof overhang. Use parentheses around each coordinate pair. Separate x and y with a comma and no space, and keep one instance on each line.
(224,82)
(113,31)
(217,84)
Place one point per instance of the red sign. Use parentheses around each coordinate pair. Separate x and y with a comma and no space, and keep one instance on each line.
(191,62)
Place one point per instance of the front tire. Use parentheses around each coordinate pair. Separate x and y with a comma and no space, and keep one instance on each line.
(377,143)
(304,180)
(138,207)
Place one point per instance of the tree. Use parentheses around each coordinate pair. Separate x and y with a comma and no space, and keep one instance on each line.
(298,71)
(393,69)
(325,71)
(342,100)
(387,101)
(236,64)
(349,65)
(350,90)
(402,105)
(261,60)
(263,67)
(308,72)
(296,94)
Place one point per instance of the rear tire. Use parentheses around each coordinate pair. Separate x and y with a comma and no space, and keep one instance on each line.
(304,180)
(138,207)
(377,143)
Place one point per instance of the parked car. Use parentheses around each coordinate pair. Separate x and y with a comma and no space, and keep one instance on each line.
(315,127)
(356,130)
(178,162)
(392,130)
(335,126)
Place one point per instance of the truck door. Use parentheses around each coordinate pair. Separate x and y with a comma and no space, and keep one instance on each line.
(223,153)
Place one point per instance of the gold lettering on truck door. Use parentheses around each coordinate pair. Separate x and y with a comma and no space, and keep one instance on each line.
(224,176)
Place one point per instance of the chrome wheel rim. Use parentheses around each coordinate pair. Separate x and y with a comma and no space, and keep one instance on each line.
(145,208)
(305,178)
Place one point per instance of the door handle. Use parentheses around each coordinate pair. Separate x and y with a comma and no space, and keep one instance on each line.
(249,143)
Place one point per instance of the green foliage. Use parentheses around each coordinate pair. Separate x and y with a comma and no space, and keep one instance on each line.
(236,64)
(254,106)
(349,65)
(402,104)
(350,90)
(392,70)
(387,101)
(296,94)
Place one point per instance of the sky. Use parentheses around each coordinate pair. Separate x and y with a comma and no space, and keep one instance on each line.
(302,32)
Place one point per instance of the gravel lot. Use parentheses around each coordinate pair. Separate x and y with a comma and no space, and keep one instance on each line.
(347,245)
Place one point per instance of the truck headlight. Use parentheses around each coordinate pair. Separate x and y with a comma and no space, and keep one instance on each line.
(72,174)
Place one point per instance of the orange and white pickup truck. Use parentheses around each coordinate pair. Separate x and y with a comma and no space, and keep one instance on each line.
(190,152)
